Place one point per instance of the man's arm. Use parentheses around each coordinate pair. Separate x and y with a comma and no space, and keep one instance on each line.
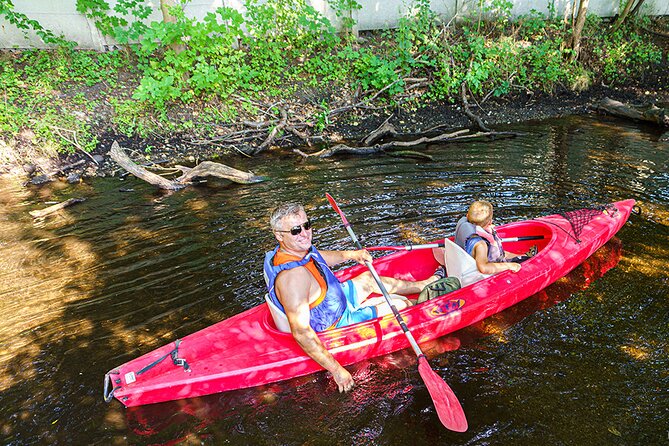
(333,258)
(292,288)
(485,267)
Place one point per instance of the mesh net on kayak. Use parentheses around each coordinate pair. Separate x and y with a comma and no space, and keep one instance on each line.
(581,217)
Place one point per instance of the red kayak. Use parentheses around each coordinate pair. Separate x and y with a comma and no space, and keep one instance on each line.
(248,350)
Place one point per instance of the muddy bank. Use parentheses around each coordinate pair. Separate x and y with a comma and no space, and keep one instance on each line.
(350,128)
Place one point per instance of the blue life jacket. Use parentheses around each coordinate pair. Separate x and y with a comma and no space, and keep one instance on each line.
(467,235)
(327,313)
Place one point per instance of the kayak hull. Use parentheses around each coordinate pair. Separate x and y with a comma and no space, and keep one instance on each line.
(247,350)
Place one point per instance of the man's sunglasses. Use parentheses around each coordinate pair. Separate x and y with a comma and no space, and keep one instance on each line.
(297,229)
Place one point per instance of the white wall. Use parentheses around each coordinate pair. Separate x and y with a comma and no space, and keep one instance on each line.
(61,16)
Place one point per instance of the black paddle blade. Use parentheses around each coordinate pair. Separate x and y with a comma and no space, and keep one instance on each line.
(448,407)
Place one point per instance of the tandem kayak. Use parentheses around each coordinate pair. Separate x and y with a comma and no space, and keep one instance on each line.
(248,350)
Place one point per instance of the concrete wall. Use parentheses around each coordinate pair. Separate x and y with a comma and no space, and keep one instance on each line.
(61,16)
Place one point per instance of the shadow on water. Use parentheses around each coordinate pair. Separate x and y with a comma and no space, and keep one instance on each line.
(124,273)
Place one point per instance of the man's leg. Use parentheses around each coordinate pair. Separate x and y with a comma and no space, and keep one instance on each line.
(366,285)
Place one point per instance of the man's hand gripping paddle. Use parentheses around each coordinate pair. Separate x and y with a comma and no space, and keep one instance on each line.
(448,407)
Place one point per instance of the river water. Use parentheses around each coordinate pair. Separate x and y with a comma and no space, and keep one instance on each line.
(583,362)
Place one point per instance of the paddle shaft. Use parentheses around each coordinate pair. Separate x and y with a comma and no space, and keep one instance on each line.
(445,402)
(441,245)
(375,275)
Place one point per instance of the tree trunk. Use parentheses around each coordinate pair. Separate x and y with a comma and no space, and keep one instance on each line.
(636,9)
(202,170)
(578,29)
(165,6)
(623,15)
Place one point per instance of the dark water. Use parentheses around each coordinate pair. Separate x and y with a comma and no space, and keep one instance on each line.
(584,362)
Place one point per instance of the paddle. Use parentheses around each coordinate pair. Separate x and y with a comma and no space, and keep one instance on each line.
(441,245)
(448,407)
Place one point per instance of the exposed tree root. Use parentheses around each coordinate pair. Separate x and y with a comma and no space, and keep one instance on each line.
(290,122)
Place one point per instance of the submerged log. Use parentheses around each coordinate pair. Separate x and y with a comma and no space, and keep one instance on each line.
(56,207)
(646,113)
(202,170)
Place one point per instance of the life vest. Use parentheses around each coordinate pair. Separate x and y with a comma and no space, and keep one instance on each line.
(326,311)
(468,234)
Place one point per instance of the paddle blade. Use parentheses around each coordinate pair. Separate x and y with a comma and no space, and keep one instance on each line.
(334,205)
(448,407)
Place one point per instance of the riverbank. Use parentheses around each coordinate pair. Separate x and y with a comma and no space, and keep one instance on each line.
(180,148)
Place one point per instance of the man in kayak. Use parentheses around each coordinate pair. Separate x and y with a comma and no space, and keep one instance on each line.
(301,284)
(476,234)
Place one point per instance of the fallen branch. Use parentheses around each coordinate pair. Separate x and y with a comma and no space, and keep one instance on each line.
(74,141)
(212,169)
(65,168)
(272,135)
(385,129)
(475,119)
(56,207)
(202,170)
(646,113)
(656,32)
(459,135)
(123,160)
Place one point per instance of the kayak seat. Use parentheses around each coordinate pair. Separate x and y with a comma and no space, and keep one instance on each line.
(461,265)
(280,319)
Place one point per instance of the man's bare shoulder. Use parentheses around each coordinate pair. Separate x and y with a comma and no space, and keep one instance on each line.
(294,274)
(293,285)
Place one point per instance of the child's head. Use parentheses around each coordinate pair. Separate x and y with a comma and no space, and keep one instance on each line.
(480,213)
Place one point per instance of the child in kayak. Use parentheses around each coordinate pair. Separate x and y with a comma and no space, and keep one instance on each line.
(475,233)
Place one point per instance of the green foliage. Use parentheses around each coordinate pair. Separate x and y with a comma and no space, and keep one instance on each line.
(131,117)
(113,21)
(417,36)
(343,10)
(372,71)
(622,54)
(322,117)
(208,62)
(33,84)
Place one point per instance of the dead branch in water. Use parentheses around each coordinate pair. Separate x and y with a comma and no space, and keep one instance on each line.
(55,208)
(385,129)
(202,170)
(460,135)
